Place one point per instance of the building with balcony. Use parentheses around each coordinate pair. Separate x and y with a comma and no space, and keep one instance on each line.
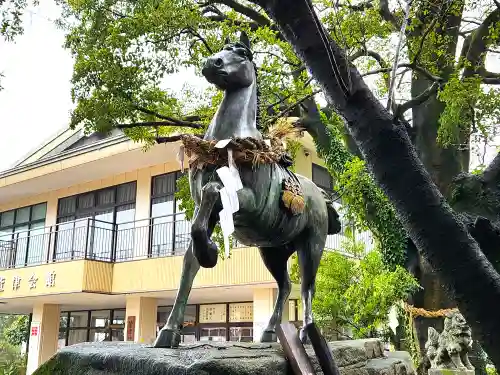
(91,245)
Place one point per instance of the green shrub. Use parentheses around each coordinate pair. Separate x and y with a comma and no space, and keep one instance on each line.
(12,362)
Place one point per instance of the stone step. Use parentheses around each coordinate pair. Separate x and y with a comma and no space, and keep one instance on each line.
(354,357)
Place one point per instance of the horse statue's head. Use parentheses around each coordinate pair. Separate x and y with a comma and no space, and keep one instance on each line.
(232,67)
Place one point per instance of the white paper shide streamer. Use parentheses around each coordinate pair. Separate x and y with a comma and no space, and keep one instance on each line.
(231,180)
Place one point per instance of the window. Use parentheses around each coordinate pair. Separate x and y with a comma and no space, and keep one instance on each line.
(214,322)
(118,326)
(241,334)
(213,334)
(171,231)
(86,222)
(23,237)
(88,326)
(322,178)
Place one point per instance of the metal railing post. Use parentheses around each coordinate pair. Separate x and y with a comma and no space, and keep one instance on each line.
(87,238)
(114,242)
(49,246)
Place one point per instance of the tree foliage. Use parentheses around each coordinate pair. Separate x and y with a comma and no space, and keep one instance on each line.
(365,204)
(357,293)
(13,332)
(11,13)
(17,331)
(11,360)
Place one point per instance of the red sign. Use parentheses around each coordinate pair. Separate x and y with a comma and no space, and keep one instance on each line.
(34,331)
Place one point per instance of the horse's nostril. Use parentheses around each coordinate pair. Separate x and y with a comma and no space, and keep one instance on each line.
(218,62)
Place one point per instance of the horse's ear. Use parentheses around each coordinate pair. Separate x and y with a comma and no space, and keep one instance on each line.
(227,41)
(244,39)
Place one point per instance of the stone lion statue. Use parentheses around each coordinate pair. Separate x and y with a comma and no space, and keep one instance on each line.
(450,349)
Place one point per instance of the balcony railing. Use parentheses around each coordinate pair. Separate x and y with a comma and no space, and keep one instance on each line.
(103,241)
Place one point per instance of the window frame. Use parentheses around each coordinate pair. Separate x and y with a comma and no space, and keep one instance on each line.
(97,209)
(316,168)
(175,214)
(90,213)
(109,329)
(194,329)
(14,236)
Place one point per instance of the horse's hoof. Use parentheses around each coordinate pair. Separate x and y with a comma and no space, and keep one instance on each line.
(303,336)
(168,338)
(268,336)
(206,253)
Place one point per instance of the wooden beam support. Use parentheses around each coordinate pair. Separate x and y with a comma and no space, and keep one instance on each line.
(294,350)
(322,350)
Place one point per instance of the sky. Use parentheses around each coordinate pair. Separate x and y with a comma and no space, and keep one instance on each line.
(36,100)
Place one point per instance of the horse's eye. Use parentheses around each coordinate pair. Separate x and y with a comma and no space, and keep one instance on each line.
(241,52)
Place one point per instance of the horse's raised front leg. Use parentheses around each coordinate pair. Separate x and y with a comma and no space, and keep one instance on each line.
(204,249)
(170,335)
(310,248)
(275,259)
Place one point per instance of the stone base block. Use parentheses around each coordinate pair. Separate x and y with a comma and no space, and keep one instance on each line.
(354,357)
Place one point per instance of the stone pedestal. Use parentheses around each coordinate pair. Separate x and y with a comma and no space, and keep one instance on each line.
(446,371)
(354,357)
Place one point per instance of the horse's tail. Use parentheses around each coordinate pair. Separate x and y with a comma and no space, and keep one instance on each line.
(334,225)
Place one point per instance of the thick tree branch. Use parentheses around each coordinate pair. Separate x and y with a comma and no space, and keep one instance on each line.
(418,100)
(387,15)
(358,7)
(169,119)
(200,38)
(375,55)
(217,18)
(476,44)
(491,174)
(289,108)
(369,53)
(244,10)
(488,236)
(156,124)
(416,68)
(174,138)
(488,77)
(278,57)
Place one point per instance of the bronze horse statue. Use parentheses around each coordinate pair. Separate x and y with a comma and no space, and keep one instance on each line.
(261,220)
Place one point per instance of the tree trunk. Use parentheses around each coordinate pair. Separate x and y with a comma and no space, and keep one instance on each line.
(425,215)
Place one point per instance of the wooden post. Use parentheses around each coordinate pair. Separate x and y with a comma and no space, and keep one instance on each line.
(322,350)
(294,350)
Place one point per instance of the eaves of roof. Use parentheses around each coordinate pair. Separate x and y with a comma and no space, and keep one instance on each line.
(65,155)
